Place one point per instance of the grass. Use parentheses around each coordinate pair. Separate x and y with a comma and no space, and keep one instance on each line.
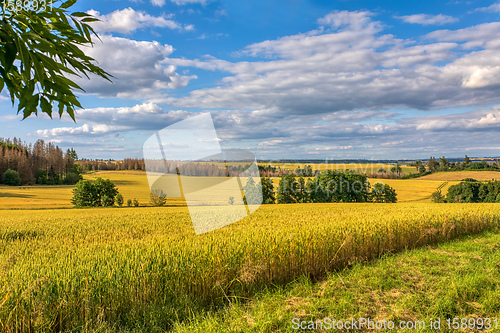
(144,269)
(456,279)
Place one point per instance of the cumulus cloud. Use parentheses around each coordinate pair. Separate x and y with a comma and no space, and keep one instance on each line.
(493,8)
(128,20)
(138,68)
(347,19)
(425,19)
(84,130)
(354,67)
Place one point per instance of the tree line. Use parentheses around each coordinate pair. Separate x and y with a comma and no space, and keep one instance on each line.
(326,186)
(470,191)
(39,163)
(443,164)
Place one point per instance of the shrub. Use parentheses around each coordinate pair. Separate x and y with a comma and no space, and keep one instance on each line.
(119,199)
(11,177)
(437,196)
(157,198)
(72,178)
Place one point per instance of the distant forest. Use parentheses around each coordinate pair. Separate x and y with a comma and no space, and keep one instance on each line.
(40,163)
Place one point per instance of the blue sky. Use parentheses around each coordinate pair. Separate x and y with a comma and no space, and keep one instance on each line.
(289,79)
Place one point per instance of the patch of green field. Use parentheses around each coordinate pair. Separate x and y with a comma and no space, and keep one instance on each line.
(457,279)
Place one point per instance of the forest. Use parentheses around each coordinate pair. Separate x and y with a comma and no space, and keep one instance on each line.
(40,163)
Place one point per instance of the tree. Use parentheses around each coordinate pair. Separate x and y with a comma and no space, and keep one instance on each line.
(432,164)
(157,198)
(119,200)
(102,192)
(396,169)
(11,177)
(253,194)
(287,190)
(39,51)
(466,159)
(268,196)
(383,193)
(421,169)
(438,197)
(443,164)
(84,195)
(417,165)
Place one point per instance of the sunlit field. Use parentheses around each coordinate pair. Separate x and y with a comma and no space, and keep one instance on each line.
(144,268)
(459,175)
(362,167)
(134,185)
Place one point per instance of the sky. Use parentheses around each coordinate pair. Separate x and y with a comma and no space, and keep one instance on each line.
(293,79)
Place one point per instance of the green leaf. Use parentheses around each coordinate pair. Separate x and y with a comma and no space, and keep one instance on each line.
(90,19)
(68,4)
(46,106)
(80,14)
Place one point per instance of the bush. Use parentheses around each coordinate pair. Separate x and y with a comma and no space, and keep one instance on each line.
(11,177)
(129,203)
(72,178)
(136,203)
(119,199)
(41,177)
(101,192)
(158,198)
(383,193)
(437,196)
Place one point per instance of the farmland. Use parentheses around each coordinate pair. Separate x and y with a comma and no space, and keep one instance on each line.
(134,184)
(110,266)
(362,167)
(144,269)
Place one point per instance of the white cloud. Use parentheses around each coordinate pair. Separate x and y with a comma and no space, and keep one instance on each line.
(346,19)
(425,19)
(137,66)
(493,8)
(159,3)
(104,121)
(85,129)
(354,68)
(128,20)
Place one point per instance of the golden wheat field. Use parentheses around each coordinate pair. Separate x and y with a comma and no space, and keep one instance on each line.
(459,175)
(134,185)
(91,268)
(363,167)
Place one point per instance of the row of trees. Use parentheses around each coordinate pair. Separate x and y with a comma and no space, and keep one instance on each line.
(443,164)
(470,190)
(327,186)
(98,165)
(40,163)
